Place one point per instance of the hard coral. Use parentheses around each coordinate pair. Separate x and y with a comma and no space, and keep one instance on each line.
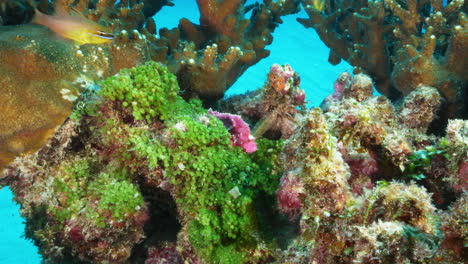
(419,108)
(207,58)
(133,167)
(337,168)
(409,204)
(275,109)
(314,181)
(33,88)
(391,242)
(401,44)
(288,196)
(128,144)
(453,226)
(240,42)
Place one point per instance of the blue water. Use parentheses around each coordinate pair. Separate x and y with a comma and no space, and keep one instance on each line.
(293,44)
(14,248)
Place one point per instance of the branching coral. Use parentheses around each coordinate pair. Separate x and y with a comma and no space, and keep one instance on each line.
(401,44)
(225,43)
(206,58)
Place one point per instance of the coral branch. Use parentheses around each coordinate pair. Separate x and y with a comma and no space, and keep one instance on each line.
(401,44)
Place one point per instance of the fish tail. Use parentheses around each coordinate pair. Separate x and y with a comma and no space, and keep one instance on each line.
(38,17)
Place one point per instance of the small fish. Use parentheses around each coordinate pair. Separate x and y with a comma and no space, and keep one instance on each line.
(319,5)
(74,27)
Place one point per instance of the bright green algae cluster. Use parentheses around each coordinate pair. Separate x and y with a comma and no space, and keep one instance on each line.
(112,191)
(146,132)
(149,90)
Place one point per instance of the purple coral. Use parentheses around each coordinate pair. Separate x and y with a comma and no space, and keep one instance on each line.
(167,254)
(343,81)
(239,130)
(288,194)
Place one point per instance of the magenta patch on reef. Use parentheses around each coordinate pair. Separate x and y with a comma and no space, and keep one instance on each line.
(239,130)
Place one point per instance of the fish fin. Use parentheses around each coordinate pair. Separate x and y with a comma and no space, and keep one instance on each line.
(37,14)
(38,17)
(74,12)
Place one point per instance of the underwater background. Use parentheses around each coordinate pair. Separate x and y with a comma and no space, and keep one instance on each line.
(294,44)
(363,176)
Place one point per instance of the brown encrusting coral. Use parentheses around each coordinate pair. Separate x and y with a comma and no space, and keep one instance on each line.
(35,95)
(401,44)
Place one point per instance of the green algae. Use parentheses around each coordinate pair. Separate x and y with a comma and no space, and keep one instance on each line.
(214,183)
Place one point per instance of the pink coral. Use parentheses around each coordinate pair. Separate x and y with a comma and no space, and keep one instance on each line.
(343,81)
(462,175)
(289,194)
(339,86)
(166,255)
(281,78)
(239,130)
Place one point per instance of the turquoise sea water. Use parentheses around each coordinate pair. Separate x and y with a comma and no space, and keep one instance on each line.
(293,44)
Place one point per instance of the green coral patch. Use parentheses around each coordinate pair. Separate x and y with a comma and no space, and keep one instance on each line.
(78,187)
(150,90)
(214,182)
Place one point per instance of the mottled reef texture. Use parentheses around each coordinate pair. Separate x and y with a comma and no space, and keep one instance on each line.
(114,156)
(139,175)
(401,44)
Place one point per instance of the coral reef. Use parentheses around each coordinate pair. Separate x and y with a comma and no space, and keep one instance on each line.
(138,138)
(401,44)
(275,110)
(139,175)
(206,58)
(357,179)
(126,163)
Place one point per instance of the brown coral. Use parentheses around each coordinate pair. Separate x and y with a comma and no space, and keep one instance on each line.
(32,102)
(401,44)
